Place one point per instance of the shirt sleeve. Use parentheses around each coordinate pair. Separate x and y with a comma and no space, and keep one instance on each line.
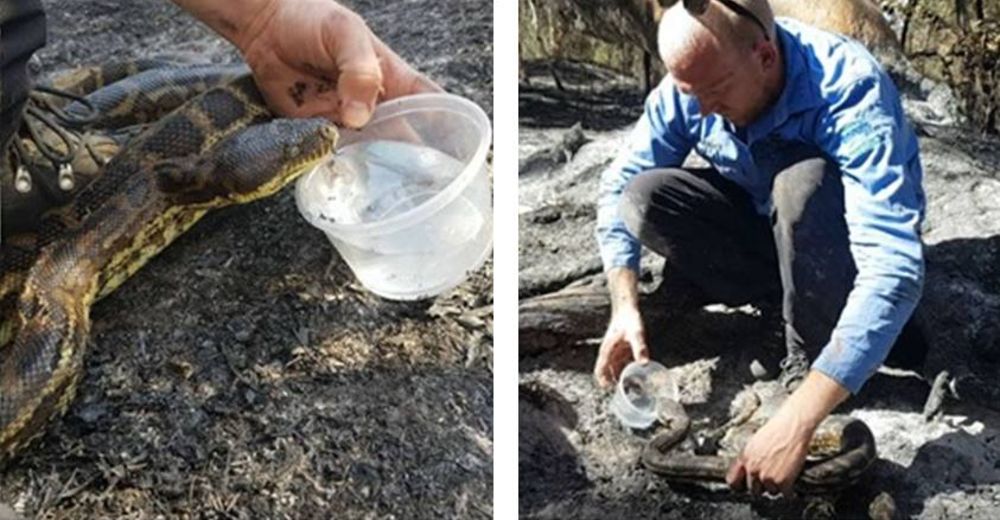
(867,134)
(659,139)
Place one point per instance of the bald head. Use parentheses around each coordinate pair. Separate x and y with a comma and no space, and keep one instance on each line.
(723,58)
(684,37)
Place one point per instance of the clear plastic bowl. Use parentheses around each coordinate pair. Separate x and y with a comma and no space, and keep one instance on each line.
(644,389)
(406,199)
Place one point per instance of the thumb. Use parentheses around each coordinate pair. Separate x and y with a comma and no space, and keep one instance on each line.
(360,74)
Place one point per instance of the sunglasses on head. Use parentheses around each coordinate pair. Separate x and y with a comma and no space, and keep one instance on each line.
(698,7)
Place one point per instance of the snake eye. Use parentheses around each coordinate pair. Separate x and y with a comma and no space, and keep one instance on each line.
(292,151)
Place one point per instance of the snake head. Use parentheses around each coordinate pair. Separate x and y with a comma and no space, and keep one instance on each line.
(262,159)
(252,163)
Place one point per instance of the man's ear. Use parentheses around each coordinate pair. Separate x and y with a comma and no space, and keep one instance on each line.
(767,53)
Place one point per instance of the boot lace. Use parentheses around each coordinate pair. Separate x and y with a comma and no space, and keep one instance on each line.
(794,368)
(42,111)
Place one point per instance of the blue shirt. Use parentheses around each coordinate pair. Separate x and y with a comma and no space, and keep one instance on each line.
(837,98)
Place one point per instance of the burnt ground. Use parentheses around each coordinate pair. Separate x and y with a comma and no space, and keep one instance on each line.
(576,460)
(235,376)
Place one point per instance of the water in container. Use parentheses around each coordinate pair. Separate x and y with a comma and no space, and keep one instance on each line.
(407,250)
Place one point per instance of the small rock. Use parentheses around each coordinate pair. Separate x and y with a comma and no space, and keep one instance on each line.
(546,215)
(883,507)
(243,335)
(89,414)
(470,321)
(182,368)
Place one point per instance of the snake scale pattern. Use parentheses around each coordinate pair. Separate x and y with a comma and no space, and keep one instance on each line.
(219,148)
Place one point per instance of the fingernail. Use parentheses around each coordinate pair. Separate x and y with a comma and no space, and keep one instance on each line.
(355,114)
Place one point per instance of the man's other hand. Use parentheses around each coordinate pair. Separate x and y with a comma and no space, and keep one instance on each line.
(773,458)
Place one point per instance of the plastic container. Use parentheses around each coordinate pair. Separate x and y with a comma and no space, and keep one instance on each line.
(406,199)
(643,391)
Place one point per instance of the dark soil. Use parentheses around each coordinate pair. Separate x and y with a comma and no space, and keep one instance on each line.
(236,376)
(595,97)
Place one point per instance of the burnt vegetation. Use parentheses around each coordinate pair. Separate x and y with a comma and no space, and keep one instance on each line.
(958,42)
(953,41)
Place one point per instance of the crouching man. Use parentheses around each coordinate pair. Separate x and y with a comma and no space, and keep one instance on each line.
(814,192)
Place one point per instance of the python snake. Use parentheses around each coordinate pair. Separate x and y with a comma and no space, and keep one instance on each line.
(841,451)
(222,147)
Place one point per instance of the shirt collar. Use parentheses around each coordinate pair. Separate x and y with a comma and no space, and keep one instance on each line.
(798,95)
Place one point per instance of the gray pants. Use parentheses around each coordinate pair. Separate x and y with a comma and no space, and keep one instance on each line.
(706,227)
(22,32)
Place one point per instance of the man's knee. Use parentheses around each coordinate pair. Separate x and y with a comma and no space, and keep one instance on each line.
(795,188)
(640,198)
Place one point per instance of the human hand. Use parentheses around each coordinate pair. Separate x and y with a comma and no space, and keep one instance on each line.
(773,458)
(624,341)
(318,58)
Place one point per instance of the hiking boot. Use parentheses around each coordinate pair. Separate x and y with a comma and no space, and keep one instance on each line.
(42,158)
(48,161)
(794,369)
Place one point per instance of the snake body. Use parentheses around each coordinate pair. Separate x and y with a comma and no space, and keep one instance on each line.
(148,95)
(220,148)
(841,451)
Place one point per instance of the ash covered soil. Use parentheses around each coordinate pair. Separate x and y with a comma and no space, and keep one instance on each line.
(576,461)
(244,373)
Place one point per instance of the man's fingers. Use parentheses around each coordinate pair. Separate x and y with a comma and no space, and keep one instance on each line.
(604,379)
(611,359)
(736,476)
(621,357)
(400,78)
(640,352)
(601,365)
(349,41)
(754,485)
(601,375)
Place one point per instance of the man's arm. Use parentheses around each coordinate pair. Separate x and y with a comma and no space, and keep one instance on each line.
(625,338)
(867,134)
(877,153)
(312,57)
(660,138)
